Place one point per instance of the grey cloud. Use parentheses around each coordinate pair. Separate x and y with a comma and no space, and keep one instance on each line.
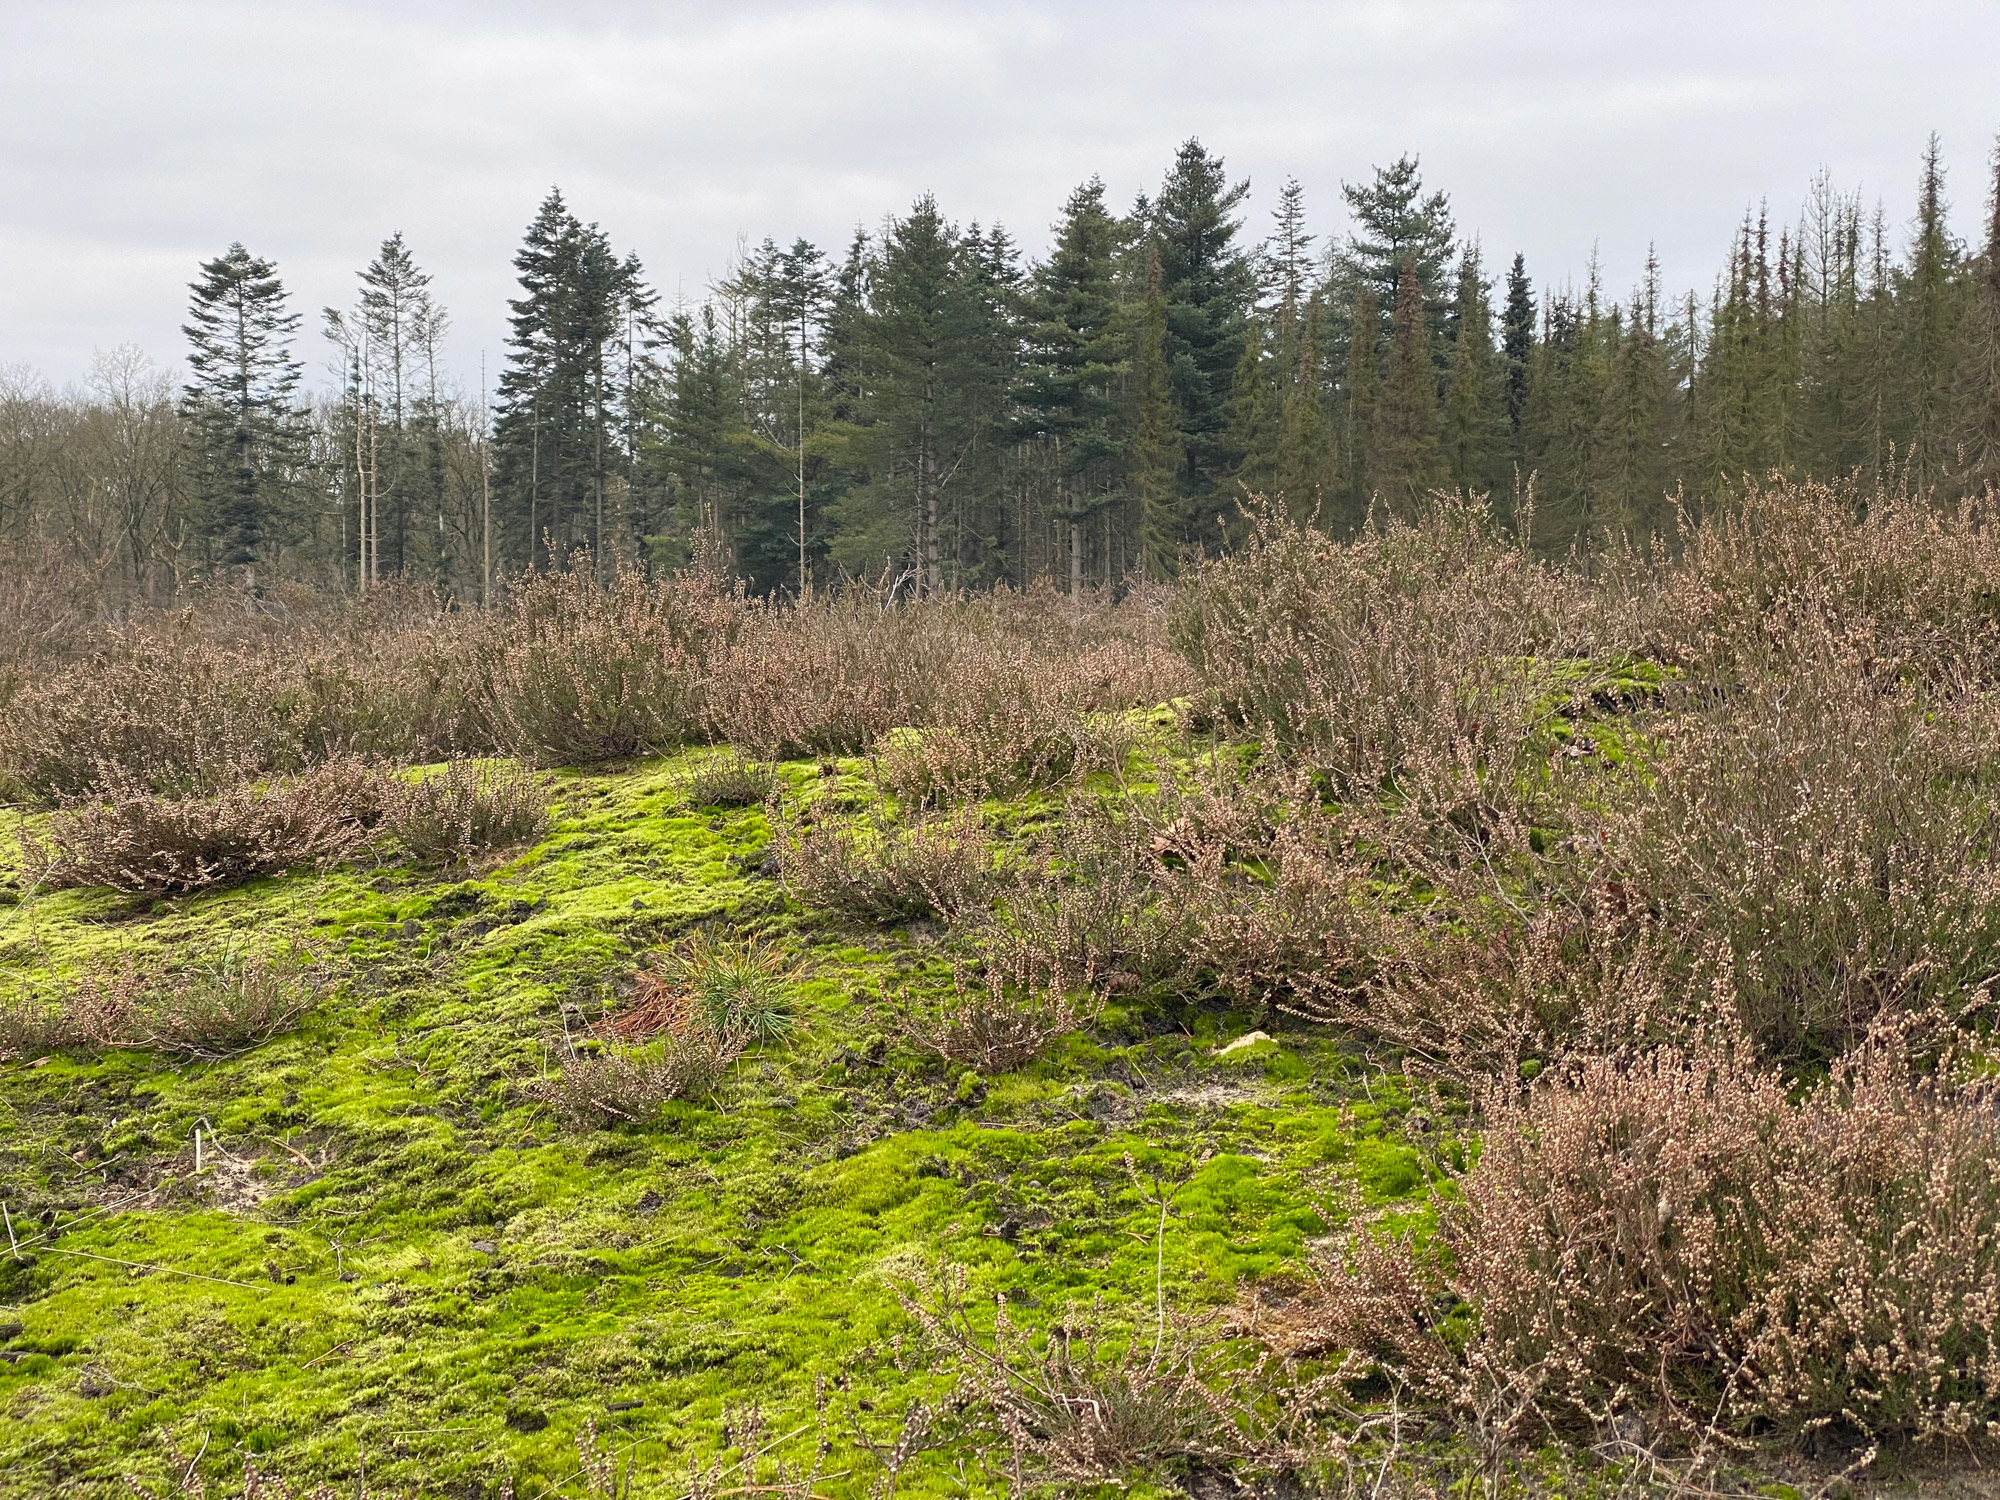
(137,138)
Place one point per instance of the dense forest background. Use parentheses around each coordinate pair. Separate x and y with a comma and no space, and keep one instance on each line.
(924,410)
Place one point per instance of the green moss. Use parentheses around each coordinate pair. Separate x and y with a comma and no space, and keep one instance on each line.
(393,1254)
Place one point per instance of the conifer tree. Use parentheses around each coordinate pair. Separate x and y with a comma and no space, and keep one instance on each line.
(1930,327)
(1252,417)
(1208,285)
(1402,450)
(1398,226)
(1153,454)
(1979,379)
(1076,351)
(1360,385)
(559,434)
(1308,467)
(241,404)
(1517,342)
(1473,424)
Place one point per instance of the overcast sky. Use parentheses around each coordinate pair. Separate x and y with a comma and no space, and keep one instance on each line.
(137,139)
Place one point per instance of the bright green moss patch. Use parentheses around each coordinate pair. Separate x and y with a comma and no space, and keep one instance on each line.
(393,1254)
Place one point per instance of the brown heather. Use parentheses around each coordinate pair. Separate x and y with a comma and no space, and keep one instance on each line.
(131,839)
(214,1008)
(449,816)
(870,869)
(1675,1230)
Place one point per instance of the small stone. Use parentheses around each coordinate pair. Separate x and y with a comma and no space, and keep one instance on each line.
(93,1386)
(486,1247)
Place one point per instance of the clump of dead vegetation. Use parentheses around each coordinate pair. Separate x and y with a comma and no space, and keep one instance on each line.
(1680,1235)
(213,1008)
(132,839)
(997,1021)
(872,868)
(449,816)
(625,1083)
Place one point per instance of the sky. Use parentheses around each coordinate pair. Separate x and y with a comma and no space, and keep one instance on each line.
(137,139)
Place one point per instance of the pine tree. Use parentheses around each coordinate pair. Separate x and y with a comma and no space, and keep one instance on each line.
(1153,453)
(1402,450)
(241,404)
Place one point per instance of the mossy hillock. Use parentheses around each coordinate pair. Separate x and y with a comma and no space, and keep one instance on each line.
(392,1259)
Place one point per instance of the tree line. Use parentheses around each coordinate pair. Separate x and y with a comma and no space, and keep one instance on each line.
(930,410)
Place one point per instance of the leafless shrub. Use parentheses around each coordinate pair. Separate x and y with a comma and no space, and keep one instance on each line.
(213,1008)
(874,870)
(1087,1406)
(1677,1230)
(451,815)
(226,1004)
(731,779)
(131,839)
(1009,675)
(997,1022)
(1829,826)
(576,674)
(1437,638)
(626,1083)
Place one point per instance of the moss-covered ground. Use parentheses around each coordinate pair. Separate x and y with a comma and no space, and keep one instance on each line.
(393,1260)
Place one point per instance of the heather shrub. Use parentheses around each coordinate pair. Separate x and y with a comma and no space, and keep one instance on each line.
(1436,638)
(731,779)
(213,1008)
(997,1022)
(1919,581)
(448,816)
(1013,680)
(1676,1229)
(874,870)
(178,712)
(1833,827)
(1089,1406)
(627,1082)
(227,1004)
(135,840)
(576,674)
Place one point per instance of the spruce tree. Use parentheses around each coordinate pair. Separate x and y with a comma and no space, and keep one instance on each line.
(1979,377)
(1930,306)
(1208,285)
(1402,448)
(560,437)
(1397,226)
(1252,417)
(1308,465)
(1153,453)
(1076,351)
(1359,387)
(1473,425)
(1517,339)
(247,429)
